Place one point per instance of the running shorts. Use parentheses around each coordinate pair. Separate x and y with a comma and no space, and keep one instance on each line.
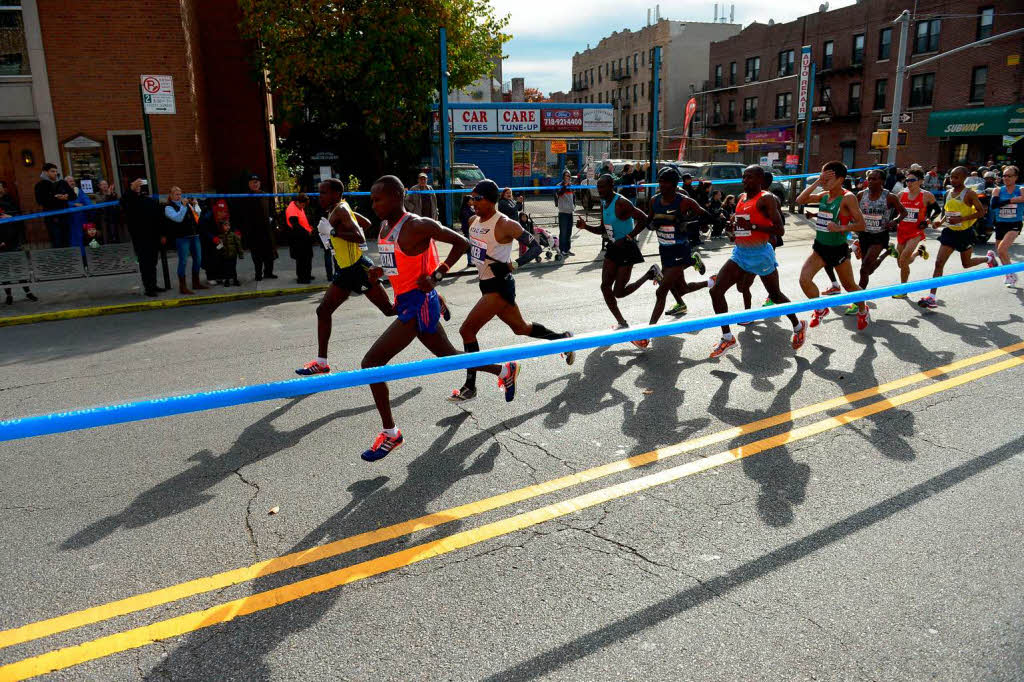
(833,254)
(628,253)
(758,260)
(958,240)
(675,255)
(503,286)
(904,234)
(1003,228)
(355,278)
(869,239)
(424,307)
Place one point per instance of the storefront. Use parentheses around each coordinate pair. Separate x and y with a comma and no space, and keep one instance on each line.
(522,143)
(972,136)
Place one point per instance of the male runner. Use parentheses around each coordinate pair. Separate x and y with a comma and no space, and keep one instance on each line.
(882,213)
(757,217)
(342,231)
(775,241)
(491,239)
(838,213)
(621,222)
(1008,203)
(409,258)
(961,210)
(671,212)
(910,232)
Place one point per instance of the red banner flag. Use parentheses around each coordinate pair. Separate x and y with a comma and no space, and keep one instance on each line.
(691,107)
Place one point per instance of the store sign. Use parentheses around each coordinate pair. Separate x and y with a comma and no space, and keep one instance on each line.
(518,120)
(558,146)
(1010,140)
(732,146)
(561,120)
(805,74)
(474,120)
(158,95)
(771,136)
(598,120)
(792,160)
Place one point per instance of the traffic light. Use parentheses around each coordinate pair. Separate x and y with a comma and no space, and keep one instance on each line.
(880,139)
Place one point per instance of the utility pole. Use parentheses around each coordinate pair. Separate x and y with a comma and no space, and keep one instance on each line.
(445,156)
(154,191)
(897,97)
(655,97)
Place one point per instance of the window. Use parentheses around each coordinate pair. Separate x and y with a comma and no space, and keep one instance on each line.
(921,89)
(732,111)
(726,173)
(927,39)
(854,100)
(784,105)
(786,61)
(13,53)
(828,49)
(643,55)
(753,70)
(732,73)
(986,16)
(750,109)
(641,120)
(881,85)
(634,121)
(884,43)
(858,49)
(718,112)
(642,90)
(979,76)
(826,96)
(718,76)
(130,161)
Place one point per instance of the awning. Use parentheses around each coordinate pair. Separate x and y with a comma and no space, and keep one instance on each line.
(1005,120)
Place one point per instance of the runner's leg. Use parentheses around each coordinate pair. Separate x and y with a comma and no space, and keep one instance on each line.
(333,297)
(393,341)
(873,257)
(845,273)
(669,283)
(608,273)
(771,284)
(378,296)
(482,313)
(1003,248)
(728,275)
(940,262)
(622,273)
(744,288)
(908,252)
(969,260)
(812,265)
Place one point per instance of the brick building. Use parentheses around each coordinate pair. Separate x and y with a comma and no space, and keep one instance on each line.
(618,71)
(69,94)
(961,105)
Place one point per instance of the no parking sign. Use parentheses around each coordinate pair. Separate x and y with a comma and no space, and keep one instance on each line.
(158,95)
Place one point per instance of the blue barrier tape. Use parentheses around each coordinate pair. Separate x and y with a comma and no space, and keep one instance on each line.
(63,211)
(75,420)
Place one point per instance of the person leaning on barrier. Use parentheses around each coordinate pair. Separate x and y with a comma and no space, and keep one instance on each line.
(109,217)
(300,238)
(182,216)
(565,200)
(144,220)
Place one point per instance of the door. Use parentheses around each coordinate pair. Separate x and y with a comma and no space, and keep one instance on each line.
(848,155)
(129,159)
(7,169)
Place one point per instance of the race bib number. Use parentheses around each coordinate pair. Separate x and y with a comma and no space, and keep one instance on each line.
(477,251)
(873,223)
(821,221)
(666,235)
(386,250)
(1008,212)
(742,225)
(912,215)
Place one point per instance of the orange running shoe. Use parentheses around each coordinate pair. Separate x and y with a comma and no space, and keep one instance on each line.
(723,345)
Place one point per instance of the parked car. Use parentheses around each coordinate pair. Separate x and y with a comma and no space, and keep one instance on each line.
(729,177)
(463,175)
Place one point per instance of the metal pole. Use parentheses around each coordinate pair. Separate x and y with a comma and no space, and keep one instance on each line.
(446,168)
(154,188)
(897,96)
(655,96)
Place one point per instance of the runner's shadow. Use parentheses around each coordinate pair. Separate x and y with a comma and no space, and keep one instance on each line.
(588,391)
(984,335)
(189,489)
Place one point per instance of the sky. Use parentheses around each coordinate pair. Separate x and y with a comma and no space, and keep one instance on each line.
(546,33)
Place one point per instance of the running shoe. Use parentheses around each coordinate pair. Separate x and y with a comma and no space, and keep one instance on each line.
(800,335)
(928,302)
(642,344)
(856,249)
(767,303)
(382,447)
(570,357)
(723,345)
(991,256)
(462,395)
(900,297)
(678,310)
(923,252)
(893,252)
(655,274)
(832,290)
(852,310)
(818,316)
(1010,280)
(862,320)
(508,384)
(698,264)
(314,367)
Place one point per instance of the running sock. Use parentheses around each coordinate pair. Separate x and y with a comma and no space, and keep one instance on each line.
(322,361)
(711,282)
(835,284)
(539,331)
(393,433)
(471,347)
(727,337)
(796,327)
(504,371)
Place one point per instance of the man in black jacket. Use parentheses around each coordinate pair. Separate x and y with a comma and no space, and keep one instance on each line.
(143,218)
(52,195)
(253,217)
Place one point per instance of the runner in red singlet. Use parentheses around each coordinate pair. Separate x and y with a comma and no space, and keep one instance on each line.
(910,232)
(409,258)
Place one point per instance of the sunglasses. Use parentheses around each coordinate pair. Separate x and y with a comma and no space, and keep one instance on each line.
(913,179)
(1009,175)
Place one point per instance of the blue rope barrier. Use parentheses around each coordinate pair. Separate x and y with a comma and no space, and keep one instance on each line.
(76,420)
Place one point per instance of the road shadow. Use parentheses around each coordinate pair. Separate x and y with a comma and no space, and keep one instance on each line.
(187,490)
(707,591)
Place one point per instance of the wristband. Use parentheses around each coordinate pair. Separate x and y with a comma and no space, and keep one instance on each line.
(443,267)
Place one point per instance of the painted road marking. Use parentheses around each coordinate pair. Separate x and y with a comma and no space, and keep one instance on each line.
(166,595)
(173,627)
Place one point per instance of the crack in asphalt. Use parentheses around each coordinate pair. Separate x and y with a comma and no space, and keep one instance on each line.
(248,511)
(503,446)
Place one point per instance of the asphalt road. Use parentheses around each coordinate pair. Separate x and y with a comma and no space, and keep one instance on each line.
(822,539)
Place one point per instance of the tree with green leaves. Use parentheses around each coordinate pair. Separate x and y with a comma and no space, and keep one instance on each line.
(359,77)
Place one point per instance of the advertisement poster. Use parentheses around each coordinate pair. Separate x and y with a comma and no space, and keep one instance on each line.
(559,120)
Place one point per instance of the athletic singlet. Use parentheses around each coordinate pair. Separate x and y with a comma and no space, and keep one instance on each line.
(915,211)
(1009,213)
(876,211)
(403,271)
(484,248)
(830,211)
(346,253)
(956,207)
(669,220)
(747,210)
(614,227)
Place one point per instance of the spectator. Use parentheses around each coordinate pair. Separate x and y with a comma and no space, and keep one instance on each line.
(890,178)
(109,218)
(627,183)
(729,206)
(252,217)
(142,218)
(229,245)
(686,181)
(974,181)
(8,205)
(300,238)
(508,206)
(77,220)
(183,224)
(52,195)
(466,212)
(565,200)
(424,202)
(900,183)
(932,181)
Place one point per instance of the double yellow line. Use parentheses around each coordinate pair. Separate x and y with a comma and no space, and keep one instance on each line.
(189,622)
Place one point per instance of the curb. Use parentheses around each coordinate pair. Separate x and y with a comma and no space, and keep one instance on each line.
(152,305)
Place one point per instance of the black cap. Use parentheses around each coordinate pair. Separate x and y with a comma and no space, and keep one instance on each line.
(254,177)
(668,173)
(488,189)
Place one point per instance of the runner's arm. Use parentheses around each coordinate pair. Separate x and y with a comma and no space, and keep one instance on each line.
(363,221)
(625,209)
(513,230)
(581,224)
(856,223)
(809,195)
(901,210)
(770,207)
(426,229)
(975,203)
(345,228)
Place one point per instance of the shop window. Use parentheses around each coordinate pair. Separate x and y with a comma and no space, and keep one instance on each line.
(960,153)
(521,158)
(13,53)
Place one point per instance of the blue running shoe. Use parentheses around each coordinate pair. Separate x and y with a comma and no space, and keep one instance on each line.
(382,447)
(508,384)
